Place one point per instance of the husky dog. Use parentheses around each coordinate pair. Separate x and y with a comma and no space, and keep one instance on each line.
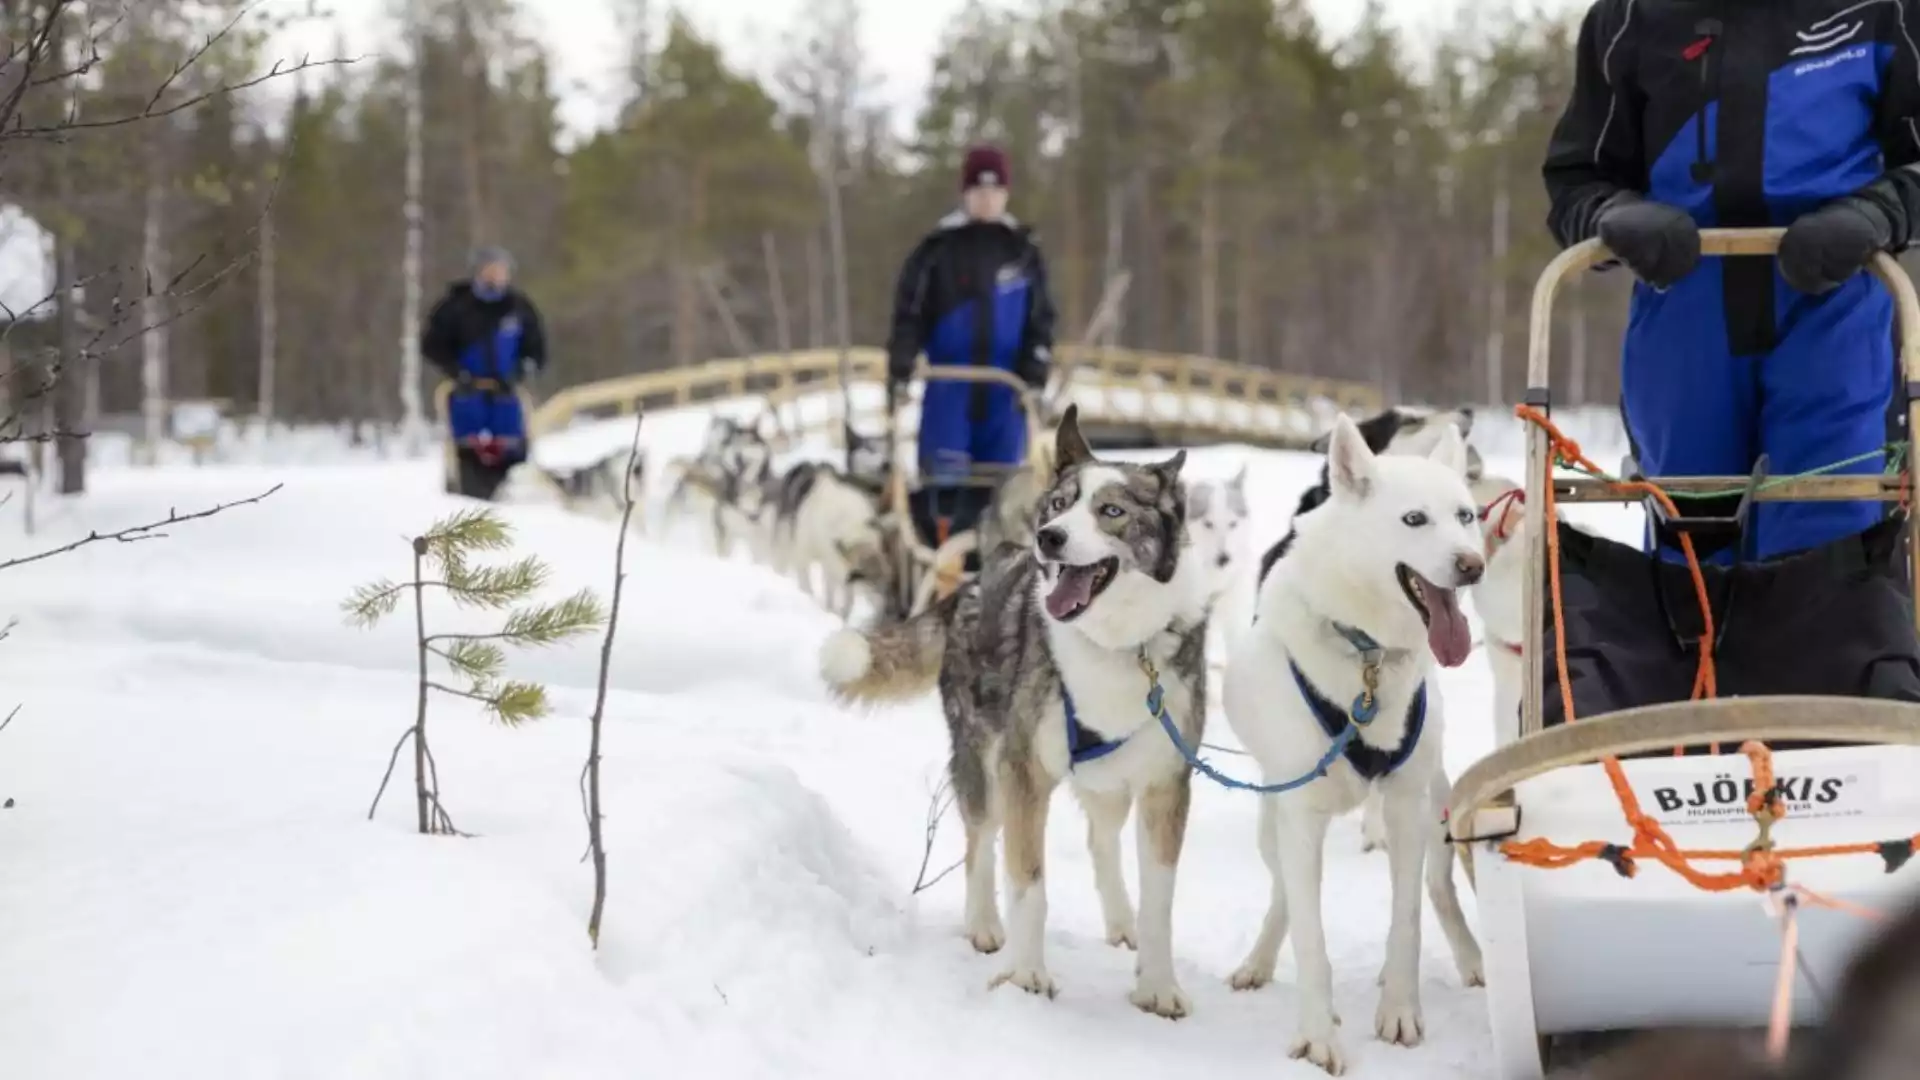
(1349,627)
(822,519)
(1498,598)
(1217,515)
(1044,663)
(1403,429)
(602,487)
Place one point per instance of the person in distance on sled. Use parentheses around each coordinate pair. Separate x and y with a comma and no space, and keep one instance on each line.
(972,292)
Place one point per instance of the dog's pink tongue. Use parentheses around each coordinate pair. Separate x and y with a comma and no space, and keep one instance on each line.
(1073,591)
(1447,630)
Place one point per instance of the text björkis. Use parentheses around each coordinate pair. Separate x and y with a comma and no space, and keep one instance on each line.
(1725,796)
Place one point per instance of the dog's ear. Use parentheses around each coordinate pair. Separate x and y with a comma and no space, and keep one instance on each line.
(1239,482)
(1169,469)
(1069,446)
(1322,444)
(1451,450)
(1350,464)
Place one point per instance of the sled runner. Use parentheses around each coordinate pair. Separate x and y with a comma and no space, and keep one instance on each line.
(1621,884)
(930,556)
(486,429)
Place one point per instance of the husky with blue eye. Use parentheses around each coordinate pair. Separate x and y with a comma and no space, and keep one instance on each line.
(1045,663)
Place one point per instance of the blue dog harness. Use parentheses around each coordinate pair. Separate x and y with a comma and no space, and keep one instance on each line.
(1342,726)
(1084,744)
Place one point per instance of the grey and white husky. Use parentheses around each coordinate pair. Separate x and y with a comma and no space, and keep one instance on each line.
(1044,663)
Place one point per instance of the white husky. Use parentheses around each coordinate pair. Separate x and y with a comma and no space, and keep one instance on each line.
(1349,626)
(1221,541)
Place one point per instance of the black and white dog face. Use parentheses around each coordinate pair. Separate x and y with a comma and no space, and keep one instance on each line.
(1106,527)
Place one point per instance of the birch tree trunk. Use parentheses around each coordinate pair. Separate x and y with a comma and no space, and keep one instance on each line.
(153,309)
(1497,289)
(413,421)
(269,323)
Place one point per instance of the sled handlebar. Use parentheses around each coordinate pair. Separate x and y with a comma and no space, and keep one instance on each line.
(1714,243)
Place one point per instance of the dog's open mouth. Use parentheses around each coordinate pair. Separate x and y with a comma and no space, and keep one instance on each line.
(1076,586)
(1439,609)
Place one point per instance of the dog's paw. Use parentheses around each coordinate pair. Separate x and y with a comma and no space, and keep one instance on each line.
(1472,971)
(1161,998)
(1251,975)
(1322,1051)
(1032,980)
(1398,1020)
(1122,937)
(986,933)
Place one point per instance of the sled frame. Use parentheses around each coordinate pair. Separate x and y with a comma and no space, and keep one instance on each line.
(925,572)
(1522,748)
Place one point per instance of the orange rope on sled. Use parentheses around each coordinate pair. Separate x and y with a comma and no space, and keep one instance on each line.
(1762,866)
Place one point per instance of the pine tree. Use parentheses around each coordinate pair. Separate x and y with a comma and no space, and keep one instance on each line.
(441,563)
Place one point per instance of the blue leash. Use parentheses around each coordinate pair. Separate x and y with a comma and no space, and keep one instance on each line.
(1156,704)
(1358,715)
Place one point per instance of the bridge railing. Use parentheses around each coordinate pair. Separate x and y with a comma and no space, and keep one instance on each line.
(1188,397)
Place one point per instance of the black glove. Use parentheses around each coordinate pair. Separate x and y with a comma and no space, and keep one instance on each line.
(1659,243)
(463,380)
(896,393)
(1825,247)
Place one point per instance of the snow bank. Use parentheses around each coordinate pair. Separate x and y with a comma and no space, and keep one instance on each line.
(191,889)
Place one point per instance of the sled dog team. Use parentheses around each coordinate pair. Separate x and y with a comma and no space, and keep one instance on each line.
(811,518)
(1078,656)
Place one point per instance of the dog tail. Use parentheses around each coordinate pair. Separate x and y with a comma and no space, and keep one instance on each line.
(893,662)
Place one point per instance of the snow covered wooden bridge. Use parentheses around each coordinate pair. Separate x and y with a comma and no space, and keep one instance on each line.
(1127,398)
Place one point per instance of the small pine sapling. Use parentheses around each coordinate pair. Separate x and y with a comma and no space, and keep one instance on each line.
(441,564)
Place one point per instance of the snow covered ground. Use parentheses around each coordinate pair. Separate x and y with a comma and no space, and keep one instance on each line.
(189,887)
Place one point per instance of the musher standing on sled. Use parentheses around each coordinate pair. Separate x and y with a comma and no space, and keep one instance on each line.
(1740,114)
(973,292)
(487,337)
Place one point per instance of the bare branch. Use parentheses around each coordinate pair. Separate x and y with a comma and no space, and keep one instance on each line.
(137,533)
(596,845)
(388,776)
(153,110)
(937,806)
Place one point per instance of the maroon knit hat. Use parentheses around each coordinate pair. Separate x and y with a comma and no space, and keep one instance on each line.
(985,166)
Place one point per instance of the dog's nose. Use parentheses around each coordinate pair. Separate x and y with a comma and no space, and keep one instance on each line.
(1222,560)
(1468,568)
(1052,540)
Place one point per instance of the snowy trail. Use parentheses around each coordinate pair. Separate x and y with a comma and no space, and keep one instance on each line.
(191,889)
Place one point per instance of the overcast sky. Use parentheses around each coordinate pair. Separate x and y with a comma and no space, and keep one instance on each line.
(900,36)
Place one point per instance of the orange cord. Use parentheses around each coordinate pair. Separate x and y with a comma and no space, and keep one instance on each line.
(1762,865)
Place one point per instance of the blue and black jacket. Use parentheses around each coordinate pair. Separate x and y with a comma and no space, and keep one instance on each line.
(501,340)
(972,293)
(1749,113)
